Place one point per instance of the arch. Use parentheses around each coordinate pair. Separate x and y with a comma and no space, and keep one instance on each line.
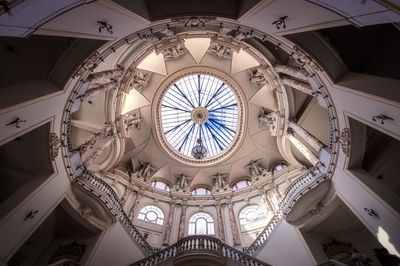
(201,223)
(151,214)
(251,213)
(241,184)
(161,185)
(278,166)
(200,191)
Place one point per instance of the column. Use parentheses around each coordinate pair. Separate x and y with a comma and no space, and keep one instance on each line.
(220,222)
(298,85)
(168,226)
(304,134)
(303,149)
(273,201)
(263,195)
(99,88)
(139,196)
(113,74)
(297,72)
(107,131)
(94,155)
(125,196)
(235,231)
(181,232)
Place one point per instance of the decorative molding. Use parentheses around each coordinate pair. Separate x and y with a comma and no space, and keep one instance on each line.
(303,59)
(345,142)
(88,65)
(270,119)
(220,50)
(174,52)
(257,76)
(193,22)
(138,81)
(54,145)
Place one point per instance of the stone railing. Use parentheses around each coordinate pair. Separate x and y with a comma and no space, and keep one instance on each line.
(262,238)
(106,193)
(195,245)
(310,179)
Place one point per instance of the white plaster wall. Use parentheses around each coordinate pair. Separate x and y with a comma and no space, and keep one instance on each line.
(285,247)
(116,248)
(14,231)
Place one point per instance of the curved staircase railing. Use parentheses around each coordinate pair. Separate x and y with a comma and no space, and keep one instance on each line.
(311,178)
(199,244)
(101,189)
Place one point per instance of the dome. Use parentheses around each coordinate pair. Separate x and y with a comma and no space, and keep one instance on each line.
(210,132)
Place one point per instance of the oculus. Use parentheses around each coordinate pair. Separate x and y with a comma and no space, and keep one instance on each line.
(199,116)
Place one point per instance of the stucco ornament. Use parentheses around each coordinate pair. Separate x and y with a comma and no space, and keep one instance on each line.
(139,80)
(174,52)
(257,76)
(220,50)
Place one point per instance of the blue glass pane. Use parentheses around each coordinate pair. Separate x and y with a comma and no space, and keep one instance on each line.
(191,92)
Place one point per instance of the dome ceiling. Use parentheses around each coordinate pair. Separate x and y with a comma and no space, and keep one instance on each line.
(256,143)
(229,75)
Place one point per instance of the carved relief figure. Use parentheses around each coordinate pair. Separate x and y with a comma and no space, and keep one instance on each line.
(220,50)
(256,170)
(182,182)
(139,80)
(132,120)
(174,52)
(269,119)
(257,76)
(220,183)
(193,21)
(144,171)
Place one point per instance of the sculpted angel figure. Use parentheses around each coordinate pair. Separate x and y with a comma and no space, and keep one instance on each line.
(220,182)
(256,169)
(182,182)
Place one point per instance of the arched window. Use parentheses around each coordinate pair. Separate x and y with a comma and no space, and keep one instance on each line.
(160,185)
(278,167)
(241,184)
(151,214)
(250,214)
(201,223)
(201,192)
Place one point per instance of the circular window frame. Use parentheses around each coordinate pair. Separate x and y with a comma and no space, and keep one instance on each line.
(242,116)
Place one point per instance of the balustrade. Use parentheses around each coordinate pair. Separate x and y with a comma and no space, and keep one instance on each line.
(202,245)
(100,187)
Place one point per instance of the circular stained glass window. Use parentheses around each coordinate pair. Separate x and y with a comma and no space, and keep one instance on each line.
(199,107)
